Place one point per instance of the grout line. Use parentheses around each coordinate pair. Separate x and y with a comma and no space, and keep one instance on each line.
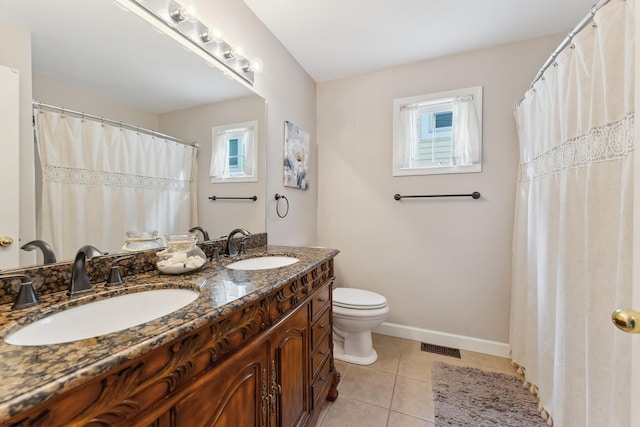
(395,381)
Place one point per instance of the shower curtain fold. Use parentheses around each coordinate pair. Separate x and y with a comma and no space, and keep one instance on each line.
(573,225)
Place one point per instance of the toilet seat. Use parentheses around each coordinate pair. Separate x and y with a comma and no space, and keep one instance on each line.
(358,299)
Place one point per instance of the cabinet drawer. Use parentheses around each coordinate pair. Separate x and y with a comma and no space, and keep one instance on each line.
(321,381)
(320,301)
(320,328)
(319,354)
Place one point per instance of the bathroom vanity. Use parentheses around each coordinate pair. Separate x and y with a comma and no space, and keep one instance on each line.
(254,349)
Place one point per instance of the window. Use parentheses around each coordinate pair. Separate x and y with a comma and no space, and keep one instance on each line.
(233,153)
(236,155)
(438,133)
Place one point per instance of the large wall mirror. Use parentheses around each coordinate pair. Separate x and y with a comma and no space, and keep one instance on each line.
(95,57)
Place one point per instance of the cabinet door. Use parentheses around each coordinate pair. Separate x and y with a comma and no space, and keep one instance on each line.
(233,394)
(290,375)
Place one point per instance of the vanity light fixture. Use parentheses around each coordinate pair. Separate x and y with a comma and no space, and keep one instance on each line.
(180,18)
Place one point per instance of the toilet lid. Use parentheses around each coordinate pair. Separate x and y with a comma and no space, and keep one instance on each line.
(358,299)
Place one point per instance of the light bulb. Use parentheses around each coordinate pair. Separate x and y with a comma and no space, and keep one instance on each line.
(239,51)
(177,15)
(190,13)
(213,34)
(256,65)
(186,11)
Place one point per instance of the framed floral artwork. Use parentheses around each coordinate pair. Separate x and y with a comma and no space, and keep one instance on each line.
(296,157)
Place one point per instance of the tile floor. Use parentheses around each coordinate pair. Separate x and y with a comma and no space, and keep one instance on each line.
(395,391)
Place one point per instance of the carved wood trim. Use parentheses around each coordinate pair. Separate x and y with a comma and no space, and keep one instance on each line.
(136,385)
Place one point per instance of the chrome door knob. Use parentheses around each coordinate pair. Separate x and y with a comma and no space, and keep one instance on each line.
(626,320)
(5,241)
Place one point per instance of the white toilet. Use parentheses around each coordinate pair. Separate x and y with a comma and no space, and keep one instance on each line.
(355,313)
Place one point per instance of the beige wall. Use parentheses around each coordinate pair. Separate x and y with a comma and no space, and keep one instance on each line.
(60,94)
(443,264)
(195,124)
(290,95)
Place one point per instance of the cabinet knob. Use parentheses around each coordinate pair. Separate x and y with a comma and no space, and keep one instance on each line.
(322,299)
(5,241)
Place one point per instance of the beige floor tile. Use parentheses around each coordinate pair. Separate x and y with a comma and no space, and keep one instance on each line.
(414,398)
(503,364)
(386,342)
(478,360)
(411,346)
(416,365)
(343,369)
(367,385)
(345,412)
(396,419)
(400,380)
(388,360)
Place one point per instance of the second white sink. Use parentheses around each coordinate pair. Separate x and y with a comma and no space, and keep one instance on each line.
(102,317)
(263,263)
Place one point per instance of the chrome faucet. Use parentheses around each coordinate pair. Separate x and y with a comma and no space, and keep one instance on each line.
(230,250)
(47,251)
(80,283)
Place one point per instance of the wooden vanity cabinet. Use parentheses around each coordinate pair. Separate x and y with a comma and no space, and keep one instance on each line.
(267,364)
(262,385)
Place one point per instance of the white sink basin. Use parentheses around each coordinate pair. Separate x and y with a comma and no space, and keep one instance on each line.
(102,317)
(262,263)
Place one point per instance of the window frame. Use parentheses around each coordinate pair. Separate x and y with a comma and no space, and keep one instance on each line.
(247,161)
(405,163)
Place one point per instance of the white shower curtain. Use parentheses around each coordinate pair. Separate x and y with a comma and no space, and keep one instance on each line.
(573,226)
(100,181)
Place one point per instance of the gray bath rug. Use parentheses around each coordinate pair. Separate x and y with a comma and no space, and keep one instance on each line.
(471,397)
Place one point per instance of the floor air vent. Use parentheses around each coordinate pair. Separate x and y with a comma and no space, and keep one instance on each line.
(438,349)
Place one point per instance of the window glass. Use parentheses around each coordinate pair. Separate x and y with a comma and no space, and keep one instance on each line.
(438,133)
(234,153)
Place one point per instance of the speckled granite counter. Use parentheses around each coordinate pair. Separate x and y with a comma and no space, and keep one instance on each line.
(30,375)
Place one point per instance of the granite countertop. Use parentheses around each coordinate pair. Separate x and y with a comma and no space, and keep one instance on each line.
(31,374)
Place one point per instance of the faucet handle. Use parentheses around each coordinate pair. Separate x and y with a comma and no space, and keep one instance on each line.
(215,252)
(26,294)
(243,246)
(115,279)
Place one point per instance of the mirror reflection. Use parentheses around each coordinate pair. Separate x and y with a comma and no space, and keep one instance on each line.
(98,59)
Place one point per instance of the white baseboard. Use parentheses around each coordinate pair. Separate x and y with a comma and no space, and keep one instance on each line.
(444,339)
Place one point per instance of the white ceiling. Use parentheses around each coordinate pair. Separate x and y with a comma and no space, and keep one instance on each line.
(338,38)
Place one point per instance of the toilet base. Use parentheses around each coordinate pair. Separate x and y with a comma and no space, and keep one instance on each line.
(338,354)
